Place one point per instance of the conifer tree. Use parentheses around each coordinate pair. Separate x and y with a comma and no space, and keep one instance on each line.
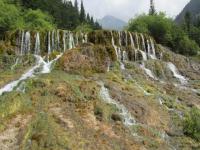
(82,13)
(152,10)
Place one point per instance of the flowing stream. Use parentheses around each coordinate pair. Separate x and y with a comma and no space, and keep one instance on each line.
(176,74)
(128,120)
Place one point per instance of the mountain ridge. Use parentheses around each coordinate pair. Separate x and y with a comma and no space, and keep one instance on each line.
(193,7)
(112,23)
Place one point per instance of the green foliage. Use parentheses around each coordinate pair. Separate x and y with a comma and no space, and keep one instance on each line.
(165,31)
(37,20)
(192,124)
(10,17)
(66,16)
(84,28)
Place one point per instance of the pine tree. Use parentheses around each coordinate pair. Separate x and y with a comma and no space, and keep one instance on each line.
(152,10)
(76,5)
(82,13)
(88,18)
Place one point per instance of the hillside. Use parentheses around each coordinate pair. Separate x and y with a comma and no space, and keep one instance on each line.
(112,23)
(100,90)
(193,7)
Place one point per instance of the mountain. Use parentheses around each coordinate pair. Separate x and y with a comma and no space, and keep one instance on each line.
(112,23)
(193,7)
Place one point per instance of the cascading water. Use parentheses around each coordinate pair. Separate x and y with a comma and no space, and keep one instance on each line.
(128,120)
(144,55)
(115,47)
(25,42)
(64,41)
(148,71)
(176,74)
(49,43)
(71,41)
(143,43)
(153,55)
(37,44)
(58,40)
(52,41)
(16,63)
(133,45)
(41,66)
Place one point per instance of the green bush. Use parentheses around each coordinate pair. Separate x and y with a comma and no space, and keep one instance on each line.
(10,17)
(37,20)
(84,28)
(192,124)
(165,32)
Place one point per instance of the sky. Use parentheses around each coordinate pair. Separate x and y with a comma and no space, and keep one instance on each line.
(126,9)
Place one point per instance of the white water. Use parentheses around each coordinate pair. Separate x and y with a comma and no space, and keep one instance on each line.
(148,71)
(128,120)
(40,63)
(58,40)
(153,55)
(16,63)
(115,47)
(71,41)
(37,44)
(143,43)
(176,74)
(64,41)
(144,55)
(133,45)
(25,42)
(118,51)
(49,42)
(52,35)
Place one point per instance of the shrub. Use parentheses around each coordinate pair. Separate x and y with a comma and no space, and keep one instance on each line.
(192,124)
(165,32)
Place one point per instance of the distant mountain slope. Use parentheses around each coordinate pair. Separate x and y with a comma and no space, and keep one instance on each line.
(193,7)
(112,23)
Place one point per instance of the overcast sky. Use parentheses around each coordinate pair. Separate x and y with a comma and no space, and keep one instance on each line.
(126,9)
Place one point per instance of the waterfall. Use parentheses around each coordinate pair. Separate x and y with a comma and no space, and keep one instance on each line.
(120,41)
(27,42)
(153,49)
(58,40)
(16,63)
(148,71)
(64,41)
(143,43)
(128,120)
(71,41)
(133,46)
(126,38)
(49,42)
(115,47)
(176,74)
(37,44)
(86,38)
(137,40)
(52,40)
(77,39)
(144,55)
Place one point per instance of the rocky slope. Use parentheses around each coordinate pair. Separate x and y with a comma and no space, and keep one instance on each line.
(109,90)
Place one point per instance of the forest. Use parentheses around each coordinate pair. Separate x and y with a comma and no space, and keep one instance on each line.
(44,15)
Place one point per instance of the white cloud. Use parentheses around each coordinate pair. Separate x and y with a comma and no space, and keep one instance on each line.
(126,9)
